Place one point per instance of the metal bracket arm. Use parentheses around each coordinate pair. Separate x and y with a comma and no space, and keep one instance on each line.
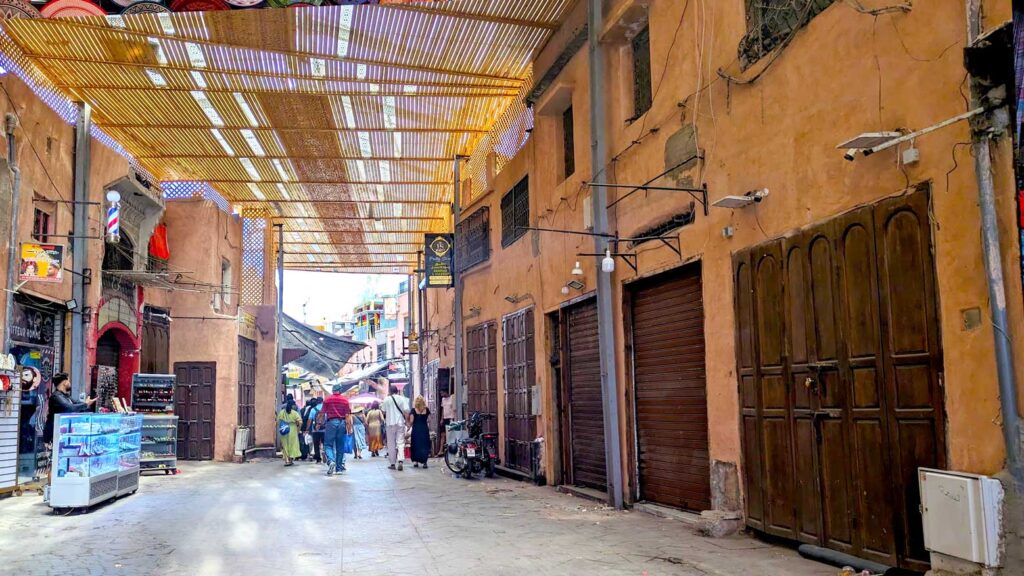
(702,191)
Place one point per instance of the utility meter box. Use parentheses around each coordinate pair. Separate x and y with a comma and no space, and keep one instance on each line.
(962,515)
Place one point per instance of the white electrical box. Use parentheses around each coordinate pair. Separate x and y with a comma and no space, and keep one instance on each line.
(588,212)
(962,515)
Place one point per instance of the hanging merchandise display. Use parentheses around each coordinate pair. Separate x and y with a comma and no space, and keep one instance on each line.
(37,332)
(153,393)
(10,402)
(96,458)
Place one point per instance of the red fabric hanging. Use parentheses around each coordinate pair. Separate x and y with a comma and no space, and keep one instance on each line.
(158,243)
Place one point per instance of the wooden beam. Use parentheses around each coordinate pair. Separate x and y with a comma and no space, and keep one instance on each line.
(356,202)
(473,17)
(312,182)
(207,127)
(270,75)
(490,93)
(289,253)
(446,160)
(343,218)
(143,37)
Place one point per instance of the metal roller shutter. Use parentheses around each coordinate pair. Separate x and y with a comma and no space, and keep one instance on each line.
(670,385)
(586,415)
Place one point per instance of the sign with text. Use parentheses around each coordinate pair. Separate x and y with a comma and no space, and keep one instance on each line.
(41,263)
(439,260)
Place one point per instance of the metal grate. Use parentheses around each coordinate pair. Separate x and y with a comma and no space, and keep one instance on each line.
(568,144)
(473,239)
(253,261)
(642,97)
(515,212)
(772,22)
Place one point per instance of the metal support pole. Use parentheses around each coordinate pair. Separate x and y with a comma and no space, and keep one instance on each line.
(12,254)
(599,201)
(460,393)
(79,247)
(994,274)
(410,361)
(280,314)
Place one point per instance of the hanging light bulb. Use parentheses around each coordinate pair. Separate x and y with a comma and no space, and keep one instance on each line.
(577,270)
(608,263)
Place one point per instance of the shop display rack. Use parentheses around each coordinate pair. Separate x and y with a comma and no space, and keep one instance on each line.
(153,393)
(159,443)
(96,457)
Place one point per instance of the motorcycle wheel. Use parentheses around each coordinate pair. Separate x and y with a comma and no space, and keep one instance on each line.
(455,462)
(467,472)
(490,468)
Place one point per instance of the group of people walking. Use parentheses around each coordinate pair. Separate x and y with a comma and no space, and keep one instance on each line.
(325,430)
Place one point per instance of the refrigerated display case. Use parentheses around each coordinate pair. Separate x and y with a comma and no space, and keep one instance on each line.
(96,457)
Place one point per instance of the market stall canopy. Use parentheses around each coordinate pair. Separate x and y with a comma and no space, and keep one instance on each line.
(371,371)
(340,123)
(321,353)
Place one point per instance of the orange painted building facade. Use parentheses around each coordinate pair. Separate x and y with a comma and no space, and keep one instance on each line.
(774,124)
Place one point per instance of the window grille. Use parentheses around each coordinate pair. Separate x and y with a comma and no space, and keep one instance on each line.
(41,225)
(642,97)
(568,144)
(473,239)
(515,212)
(772,22)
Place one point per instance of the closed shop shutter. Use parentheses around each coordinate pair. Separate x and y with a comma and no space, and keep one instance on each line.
(585,414)
(670,387)
(520,377)
(840,364)
(482,373)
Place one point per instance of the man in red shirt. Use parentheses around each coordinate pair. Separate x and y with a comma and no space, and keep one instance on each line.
(337,418)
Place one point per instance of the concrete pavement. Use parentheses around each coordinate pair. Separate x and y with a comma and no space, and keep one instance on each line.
(264,519)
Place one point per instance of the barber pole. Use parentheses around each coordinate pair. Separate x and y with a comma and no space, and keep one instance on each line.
(113,217)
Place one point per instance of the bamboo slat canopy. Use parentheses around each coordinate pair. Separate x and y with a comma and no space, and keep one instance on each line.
(339,122)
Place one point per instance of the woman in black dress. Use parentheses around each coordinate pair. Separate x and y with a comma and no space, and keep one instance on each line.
(420,432)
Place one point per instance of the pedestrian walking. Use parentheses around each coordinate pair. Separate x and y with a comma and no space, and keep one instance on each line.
(375,429)
(289,417)
(420,432)
(396,416)
(337,417)
(358,432)
(308,442)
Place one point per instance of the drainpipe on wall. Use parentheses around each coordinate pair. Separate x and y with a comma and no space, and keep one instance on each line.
(460,393)
(80,211)
(605,318)
(994,273)
(10,124)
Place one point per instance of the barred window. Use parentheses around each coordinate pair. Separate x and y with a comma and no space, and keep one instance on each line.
(642,97)
(568,144)
(473,239)
(772,22)
(515,212)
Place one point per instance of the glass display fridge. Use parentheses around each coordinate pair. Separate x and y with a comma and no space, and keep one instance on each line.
(95,457)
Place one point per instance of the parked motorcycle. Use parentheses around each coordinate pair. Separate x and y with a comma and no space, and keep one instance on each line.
(478,452)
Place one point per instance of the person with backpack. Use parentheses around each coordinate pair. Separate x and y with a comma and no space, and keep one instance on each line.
(307,443)
(396,415)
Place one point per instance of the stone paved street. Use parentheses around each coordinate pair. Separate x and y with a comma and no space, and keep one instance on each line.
(261,518)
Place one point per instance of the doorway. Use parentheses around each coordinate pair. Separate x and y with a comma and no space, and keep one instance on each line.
(583,421)
(194,405)
(839,362)
(666,323)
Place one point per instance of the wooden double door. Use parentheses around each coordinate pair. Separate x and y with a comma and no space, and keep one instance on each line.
(195,384)
(839,361)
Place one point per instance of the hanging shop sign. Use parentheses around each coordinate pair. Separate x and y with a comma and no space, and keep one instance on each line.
(247,325)
(42,263)
(439,260)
